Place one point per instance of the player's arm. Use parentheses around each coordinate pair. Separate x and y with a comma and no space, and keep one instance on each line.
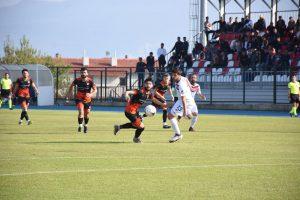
(289,92)
(159,95)
(183,98)
(94,91)
(157,102)
(129,93)
(202,96)
(35,88)
(171,93)
(16,88)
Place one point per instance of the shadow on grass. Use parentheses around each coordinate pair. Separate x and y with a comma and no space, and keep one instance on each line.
(81,142)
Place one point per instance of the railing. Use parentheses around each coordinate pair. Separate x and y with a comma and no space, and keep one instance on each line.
(232,86)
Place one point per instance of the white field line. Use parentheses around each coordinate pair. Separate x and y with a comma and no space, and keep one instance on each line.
(149,168)
(123,157)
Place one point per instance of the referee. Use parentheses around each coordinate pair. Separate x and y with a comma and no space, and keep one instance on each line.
(293,96)
(6,89)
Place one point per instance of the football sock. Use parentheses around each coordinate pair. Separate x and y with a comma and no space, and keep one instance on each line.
(175,125)
(80,121)
(165,112)
(86,120)
(1,103)
(194,120)
(179,117)
(127,125)
(9,103)
(295,110)
(138,132)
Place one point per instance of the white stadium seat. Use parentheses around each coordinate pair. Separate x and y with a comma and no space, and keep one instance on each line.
(190,71)
(230,56)
(214,70)
(257,78)
(206,63)
(230,63)
(237,78)
(220,79)
(237,70)
(215,78)
(270,78)
(202,78)
(264,78)
(201,70)
(227,78)
(219,71)
(195,64)
(231,70)
(278,78)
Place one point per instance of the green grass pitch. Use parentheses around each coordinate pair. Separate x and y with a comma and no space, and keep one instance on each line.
(230,157)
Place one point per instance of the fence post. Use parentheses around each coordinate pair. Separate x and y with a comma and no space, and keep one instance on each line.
(274,87)
(56,92)
(244,85)
(101,82)
(211,85)
(130,77)
(105,83)
(126,80)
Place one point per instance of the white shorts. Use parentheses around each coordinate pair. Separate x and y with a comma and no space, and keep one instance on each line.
(177,109)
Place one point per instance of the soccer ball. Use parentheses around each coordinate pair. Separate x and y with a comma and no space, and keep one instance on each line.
(150,110)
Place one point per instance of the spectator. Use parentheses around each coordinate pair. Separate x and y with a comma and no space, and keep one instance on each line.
(291,24)
(207,28)
(260,25)
(222,25)
(161,55)
(235,25)
(270,63)
(297,25)
(241,24)
(223,60)
(140,70)
(280,26)
(173,62)
(271,28)
(229,26)
(248,25)
(178,48)
(244,59)
(197,49)
(150,64)
(185,48)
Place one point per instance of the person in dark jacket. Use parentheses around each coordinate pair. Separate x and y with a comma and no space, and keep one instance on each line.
(150,64)
(140,69)
(178,48)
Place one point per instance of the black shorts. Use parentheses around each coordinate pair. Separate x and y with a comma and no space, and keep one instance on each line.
(158,106)
(22,99)
(135,119)
(85,104)
(294,98)
(5,93)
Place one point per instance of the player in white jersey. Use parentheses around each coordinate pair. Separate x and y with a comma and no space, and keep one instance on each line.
(183,107)
(195,90)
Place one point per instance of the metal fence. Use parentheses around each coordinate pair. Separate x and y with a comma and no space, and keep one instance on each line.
(234,86)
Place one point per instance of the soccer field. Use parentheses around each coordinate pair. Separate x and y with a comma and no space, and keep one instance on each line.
(230,157)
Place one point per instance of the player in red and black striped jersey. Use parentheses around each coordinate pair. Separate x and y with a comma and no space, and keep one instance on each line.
(85,90)
(22,91)
(135,99)
(159,93)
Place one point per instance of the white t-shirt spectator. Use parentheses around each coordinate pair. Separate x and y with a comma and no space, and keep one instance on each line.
(161,51)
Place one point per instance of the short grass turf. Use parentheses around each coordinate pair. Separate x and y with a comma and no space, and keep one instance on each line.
(230,157)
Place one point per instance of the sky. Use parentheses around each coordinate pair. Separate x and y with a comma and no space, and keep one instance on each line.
(124,27)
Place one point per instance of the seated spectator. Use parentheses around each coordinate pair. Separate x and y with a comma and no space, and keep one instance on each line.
(244,59)
(223,60)
(236,45)
(284,61)
(224,46)
(280,26)
(216,61)
(197,49)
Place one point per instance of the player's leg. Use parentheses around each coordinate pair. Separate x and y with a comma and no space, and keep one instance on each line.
(1,101)
(10,102)
(80,108)
(140,127)
(86,118)
(194,118)
(165,116)
(24,114)
(131,117)
(175,111)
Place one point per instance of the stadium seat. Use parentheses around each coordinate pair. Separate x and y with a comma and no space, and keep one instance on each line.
(270,78)
(284,78)
(227,78)
(230,63)
(201,71)
(225,70)
(190,71)
(237,78)
(237,70)
(220,78)
(195,64)
(219,71)
(278,78)
(215,78)
(231,70)
(202,78)
(235,56)
(214,71)
(264,78)
(201,63)
(206,63)
(236,63)
(230,56)
(257,78)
